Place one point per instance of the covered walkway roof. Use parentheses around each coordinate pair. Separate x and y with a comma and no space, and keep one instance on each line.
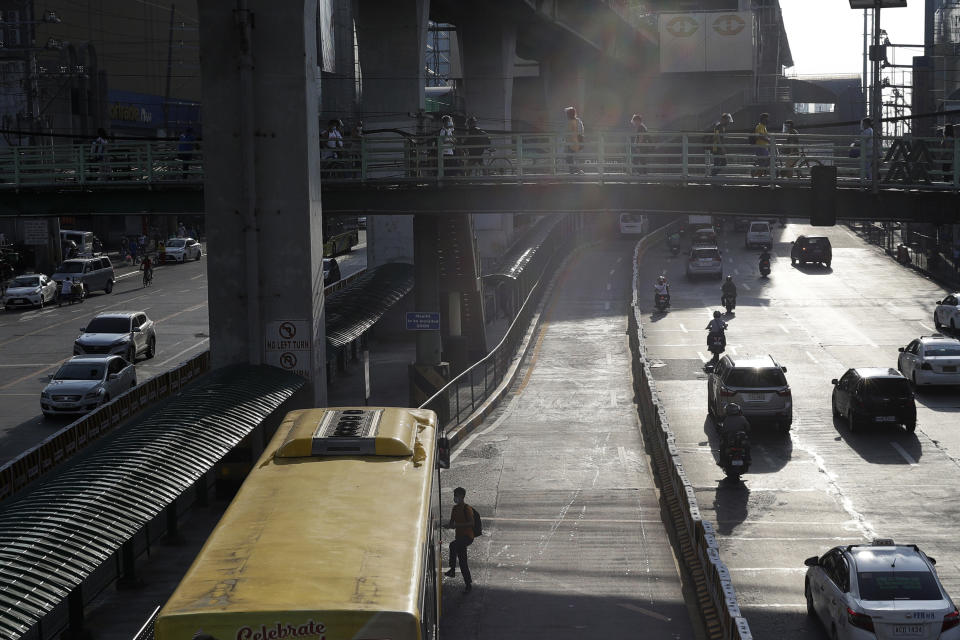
(357,307)
(54,536)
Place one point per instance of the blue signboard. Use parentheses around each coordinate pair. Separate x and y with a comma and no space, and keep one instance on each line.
(131,110)
(423,321)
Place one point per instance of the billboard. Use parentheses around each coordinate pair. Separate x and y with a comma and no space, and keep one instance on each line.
(719,41)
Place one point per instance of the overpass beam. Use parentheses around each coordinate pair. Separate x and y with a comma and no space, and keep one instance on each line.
(262,187)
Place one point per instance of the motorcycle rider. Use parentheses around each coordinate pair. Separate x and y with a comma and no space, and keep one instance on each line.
(765,257)
(729,289)
(673,241)
(661,288)
(717,327)
(734,423)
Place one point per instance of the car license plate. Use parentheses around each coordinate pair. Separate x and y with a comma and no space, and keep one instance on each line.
(19,301)
(908,629)
(756,397)
(705,261)
(886,418)
(736,463)
(950,369)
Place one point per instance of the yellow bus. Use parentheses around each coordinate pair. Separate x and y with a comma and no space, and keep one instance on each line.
(334,535)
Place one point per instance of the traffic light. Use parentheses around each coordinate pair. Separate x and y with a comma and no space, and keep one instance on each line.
(823,183)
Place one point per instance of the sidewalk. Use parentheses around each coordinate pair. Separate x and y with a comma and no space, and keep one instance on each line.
(939,267)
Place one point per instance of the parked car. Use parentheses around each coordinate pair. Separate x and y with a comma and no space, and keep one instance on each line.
(634,224)
(705,261)
(879,590)
(331,271)
(874,395)
(757,384)
(808,249)
(32,289)
(930,360)
(181,249)
(125,333)
(758,235)
(96,273)
(947,312)
(83,383)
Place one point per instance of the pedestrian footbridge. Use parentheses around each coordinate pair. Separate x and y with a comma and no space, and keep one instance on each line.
(394,173)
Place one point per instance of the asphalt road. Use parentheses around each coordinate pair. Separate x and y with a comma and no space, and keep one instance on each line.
(573,545)
(821,486)
(33,343)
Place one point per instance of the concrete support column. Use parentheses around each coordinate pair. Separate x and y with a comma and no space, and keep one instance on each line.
(428,374)
(488,50)
(262,187)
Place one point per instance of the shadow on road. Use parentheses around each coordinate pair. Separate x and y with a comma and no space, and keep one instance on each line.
(880,443)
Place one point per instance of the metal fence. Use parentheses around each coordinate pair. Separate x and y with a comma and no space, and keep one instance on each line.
(463,395)
(661,157)
(933,253)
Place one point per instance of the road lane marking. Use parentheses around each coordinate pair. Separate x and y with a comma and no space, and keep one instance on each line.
(198,276)
(702,358)
(175,356)
(609,286)
(775,605)
(646,612)
(583,520)
(745,286)
(26,364)
(683,328)
(764,308)
(736,271)
(612,271)
(810,355)
(622,454)
(906,456)
(613,398)
(34,374)
(174,315)
(606,306)
(791,569)
(927,327)
(783,328)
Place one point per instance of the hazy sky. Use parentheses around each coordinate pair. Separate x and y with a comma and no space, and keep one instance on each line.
(826,36)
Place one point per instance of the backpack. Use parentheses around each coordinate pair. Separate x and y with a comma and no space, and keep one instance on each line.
(477,523)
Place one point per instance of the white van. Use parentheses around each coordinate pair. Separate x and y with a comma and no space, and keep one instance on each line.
(758,235)
(83,240)
(634,224)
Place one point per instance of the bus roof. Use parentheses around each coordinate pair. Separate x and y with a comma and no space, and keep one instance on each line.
(314,538)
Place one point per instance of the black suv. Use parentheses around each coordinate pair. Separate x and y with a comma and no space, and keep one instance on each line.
(874,396)
(811,249)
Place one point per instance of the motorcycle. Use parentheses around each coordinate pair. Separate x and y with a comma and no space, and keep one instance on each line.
(663,301)
(735,454)
(764,268)
(716,342)
(730,302)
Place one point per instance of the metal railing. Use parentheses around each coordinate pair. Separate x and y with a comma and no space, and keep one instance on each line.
(604,156)
(463,395)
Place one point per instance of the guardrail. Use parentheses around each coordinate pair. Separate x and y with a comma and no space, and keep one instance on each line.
(462,396)
(671,157)
(698,548)
(41,458)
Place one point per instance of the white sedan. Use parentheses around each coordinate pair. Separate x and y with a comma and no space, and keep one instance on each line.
(182,249)
(32,289)
(947,313)
(931,360)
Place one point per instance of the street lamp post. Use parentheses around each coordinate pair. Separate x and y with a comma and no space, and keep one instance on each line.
(877,55)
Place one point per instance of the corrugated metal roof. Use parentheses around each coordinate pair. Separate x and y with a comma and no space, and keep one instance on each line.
(521,253)
(54,536)
(357,307)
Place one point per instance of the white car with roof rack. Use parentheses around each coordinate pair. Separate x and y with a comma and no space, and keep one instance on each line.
(879,590)
(931,360)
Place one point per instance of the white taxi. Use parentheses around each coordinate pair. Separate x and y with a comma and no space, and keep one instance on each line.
(947,313)
(931,360)
(33,290)
(879,590)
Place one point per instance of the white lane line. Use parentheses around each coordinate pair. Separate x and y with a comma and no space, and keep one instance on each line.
(622,454)
(810,355)
(906,456)
(620,259)
(926,326)
(612,271)
(702,357)
(736,272)
(757,539)
(791,569)
(19,394)
(764,308)
(745,286)
(581,520)
(28,364)
(729,259)
(683,328)
(198,276)
(646,612)
(613,398)
(783,328)
(608,286)
(606,306)
(185,291)
(177,355)
(775,605)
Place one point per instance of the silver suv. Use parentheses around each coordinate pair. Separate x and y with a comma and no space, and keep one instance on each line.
(757,384)
(96,273)
(123,333)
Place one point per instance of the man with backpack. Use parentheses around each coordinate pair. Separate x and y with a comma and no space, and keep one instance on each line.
(463,520)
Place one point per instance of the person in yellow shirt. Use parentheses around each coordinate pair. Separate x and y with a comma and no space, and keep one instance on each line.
(762,142)
(461,520)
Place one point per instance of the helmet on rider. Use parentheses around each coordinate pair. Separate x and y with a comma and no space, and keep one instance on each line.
(472,121)
(661,279)
(717,314)
(729,278)
(733,409)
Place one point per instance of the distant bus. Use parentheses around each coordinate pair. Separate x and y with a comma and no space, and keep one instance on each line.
(335,534)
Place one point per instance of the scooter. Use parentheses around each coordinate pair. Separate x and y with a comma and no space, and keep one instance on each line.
(663,301)
(734,454)
(730,302)
(764,268)
(716,342)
